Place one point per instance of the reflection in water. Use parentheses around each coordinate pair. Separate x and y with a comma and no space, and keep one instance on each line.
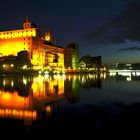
(23,97)
(126,75)
(58,101)
(91,81)
(72,88)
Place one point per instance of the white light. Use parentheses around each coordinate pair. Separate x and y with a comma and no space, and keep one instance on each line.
(40,72)
(46,72)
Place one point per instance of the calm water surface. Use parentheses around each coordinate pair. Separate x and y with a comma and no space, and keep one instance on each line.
(41,103)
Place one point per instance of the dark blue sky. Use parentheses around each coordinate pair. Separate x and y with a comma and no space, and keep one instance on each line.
(71,21)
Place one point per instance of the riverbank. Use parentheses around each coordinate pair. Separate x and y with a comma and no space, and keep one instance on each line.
(49,72)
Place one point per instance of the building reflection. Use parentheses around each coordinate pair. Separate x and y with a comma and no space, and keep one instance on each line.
(125,75)
(27,98)
(91,81)
(72,88)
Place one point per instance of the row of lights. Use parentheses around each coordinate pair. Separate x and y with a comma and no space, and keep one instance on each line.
(19,113)
(12,65)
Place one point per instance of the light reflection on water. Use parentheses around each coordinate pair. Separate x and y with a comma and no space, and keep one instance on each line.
(29,98)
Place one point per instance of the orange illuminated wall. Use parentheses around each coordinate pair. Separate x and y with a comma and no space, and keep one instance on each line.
(38,87)
(50,51)
(31,39)
(13,101)
(15,106)
(42,89)
(38,58)
(12,42)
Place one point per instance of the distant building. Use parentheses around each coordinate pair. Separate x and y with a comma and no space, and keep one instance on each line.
(54,55)
(126,66)
(71,56)
(90,62)
(96,62)
(42,52)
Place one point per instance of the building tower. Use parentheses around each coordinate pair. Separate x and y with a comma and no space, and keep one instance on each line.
(48,36)
(27,24)
(71,56)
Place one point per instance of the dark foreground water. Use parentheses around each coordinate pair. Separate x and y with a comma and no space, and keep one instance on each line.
(41,104)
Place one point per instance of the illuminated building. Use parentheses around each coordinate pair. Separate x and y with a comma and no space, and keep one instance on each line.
(91,62)
(15,63)
(71,57)
(41,50)
(54,56)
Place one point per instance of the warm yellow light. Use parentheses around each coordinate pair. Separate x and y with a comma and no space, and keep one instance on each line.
(6,96)
(24,81)
(13,100)
(25,67)
(17,46)
(47,38)
(38,59)
(12,65)
(12,83)
(21,114)
(14,41)
(48,109)
(18,33)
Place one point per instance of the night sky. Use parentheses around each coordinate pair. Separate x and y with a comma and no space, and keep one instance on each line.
(110,28)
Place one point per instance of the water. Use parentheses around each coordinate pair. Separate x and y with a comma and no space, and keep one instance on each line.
(41,103)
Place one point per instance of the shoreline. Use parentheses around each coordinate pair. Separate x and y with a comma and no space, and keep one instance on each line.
(36,72)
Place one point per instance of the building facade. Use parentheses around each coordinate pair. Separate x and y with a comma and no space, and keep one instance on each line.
(71,56)
(30,38)
(90,62)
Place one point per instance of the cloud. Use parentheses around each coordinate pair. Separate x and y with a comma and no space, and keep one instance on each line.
(135,48)
(124,26)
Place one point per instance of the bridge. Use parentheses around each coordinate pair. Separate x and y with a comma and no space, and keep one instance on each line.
(132,72)
(129,74)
